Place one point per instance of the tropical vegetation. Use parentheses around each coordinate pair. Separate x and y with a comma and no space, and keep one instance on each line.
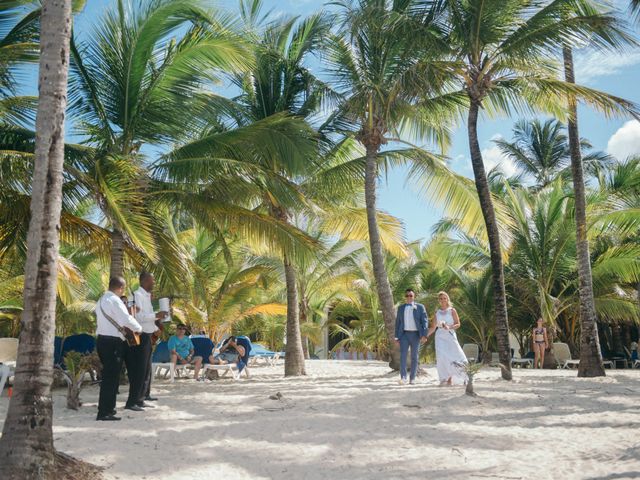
(239,159)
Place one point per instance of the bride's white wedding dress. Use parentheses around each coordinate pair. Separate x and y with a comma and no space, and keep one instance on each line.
(448,350)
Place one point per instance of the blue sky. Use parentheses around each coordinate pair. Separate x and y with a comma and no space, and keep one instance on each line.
(617,73)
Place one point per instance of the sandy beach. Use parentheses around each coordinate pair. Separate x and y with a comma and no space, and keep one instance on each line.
(351,420)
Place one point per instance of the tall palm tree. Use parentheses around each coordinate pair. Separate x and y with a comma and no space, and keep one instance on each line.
(26,446)
(499,54)
(590,355)
(281,83)
(541,150)
(379,77)
(129,78)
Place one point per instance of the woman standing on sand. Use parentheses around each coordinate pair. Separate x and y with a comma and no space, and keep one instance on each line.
(448,351)
(540,344)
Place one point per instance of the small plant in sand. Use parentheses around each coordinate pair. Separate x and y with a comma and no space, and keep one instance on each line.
(470,370)
(77,366)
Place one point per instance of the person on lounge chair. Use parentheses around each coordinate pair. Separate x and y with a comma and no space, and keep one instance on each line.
(231,352)
(181,350)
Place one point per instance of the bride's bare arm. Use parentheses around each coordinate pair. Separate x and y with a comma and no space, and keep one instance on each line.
(434,324)
(456,320)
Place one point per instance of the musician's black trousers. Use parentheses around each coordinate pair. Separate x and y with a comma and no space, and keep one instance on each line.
(111,353)
(134,360)
(145,343)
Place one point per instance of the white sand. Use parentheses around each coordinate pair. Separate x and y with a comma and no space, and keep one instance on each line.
(351,420)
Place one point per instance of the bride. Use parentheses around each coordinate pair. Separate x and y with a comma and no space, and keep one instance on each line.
(448,351)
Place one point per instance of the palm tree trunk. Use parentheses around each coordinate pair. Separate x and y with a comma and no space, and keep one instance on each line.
(377,256)
(117,254)
(303,320)
(26,446)
(294,359)
(590,356)
(493,234)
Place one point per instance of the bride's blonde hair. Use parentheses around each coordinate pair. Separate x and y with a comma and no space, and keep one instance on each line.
(446,295)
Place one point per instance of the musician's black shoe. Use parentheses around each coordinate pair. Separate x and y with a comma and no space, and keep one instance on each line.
(107,418)
(113,412)
(150,399)
(145,405)
(135,408)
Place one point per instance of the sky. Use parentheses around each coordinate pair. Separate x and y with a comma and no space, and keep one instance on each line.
(614,73)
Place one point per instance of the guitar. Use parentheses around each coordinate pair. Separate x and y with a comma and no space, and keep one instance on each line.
(155,336)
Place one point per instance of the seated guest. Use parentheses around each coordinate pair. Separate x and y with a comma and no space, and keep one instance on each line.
(231,352)
(181,350)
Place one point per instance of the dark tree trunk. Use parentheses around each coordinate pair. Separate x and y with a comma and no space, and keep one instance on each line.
(117,254)
(493,234)
(26,445)
(377,256)
(590,355)
(616,338)
(303,320)
(626,336)
(294,358)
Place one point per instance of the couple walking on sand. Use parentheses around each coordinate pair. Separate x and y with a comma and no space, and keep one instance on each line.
(412,329)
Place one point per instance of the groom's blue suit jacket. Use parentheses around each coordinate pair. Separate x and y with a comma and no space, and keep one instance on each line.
(420,316)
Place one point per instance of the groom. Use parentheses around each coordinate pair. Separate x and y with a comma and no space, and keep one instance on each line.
(411,331)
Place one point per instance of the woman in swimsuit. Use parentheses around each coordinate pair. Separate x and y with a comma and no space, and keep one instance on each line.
(540,344)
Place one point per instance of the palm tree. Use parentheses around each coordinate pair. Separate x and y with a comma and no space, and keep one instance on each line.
(499,54)
(281,83)
(541,151)
(129,78)
(26,446)
(590,355)
(378,77)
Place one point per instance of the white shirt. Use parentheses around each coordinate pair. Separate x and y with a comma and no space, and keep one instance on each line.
(409,320)
(113,306)
(146,316)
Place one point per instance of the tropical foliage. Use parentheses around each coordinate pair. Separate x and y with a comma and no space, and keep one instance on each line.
(255,205)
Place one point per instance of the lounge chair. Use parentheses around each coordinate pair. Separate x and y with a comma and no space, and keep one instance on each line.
(57,351)
(260,352)
(234,368)
(519,361)
(161,362)
(82,343)
(634,362)
(8,358)
(563,357)
(495,360)
(471,351)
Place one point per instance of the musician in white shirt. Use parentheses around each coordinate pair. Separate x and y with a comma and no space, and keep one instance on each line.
(147,318)
(111,345)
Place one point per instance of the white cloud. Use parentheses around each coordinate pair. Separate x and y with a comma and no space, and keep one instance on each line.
(591,64)
(626,141)
(493,157)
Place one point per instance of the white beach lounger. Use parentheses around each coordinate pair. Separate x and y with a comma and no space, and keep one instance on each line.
(471,351)
(226,369)
(168,369)
(517,360)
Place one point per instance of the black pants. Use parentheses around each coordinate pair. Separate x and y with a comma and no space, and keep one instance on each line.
(134,360)
(111,353)
(145,343)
